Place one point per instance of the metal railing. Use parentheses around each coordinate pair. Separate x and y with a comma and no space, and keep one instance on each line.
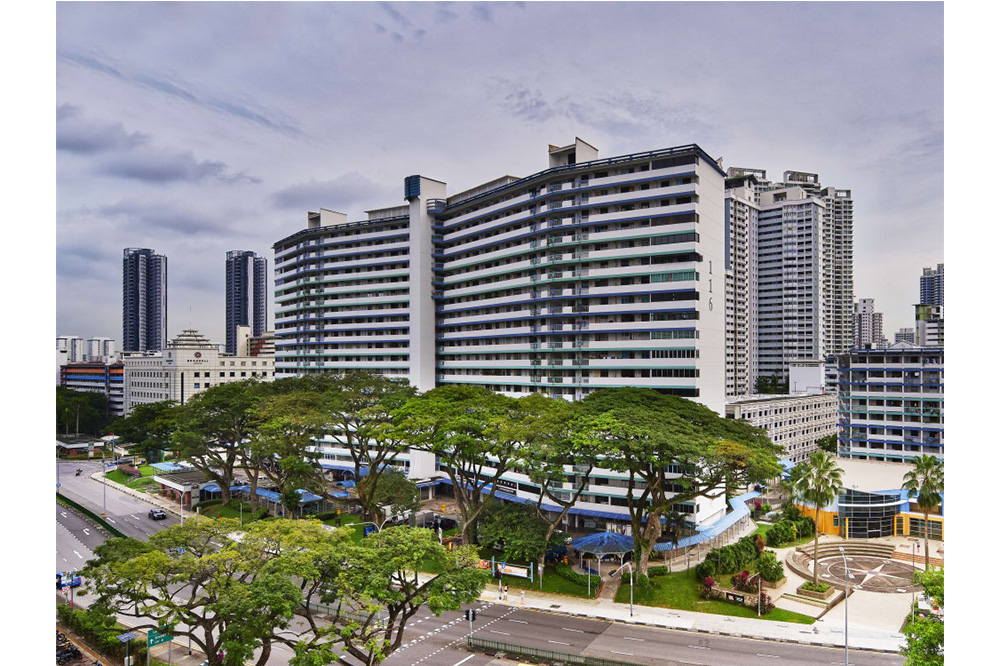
(547,656)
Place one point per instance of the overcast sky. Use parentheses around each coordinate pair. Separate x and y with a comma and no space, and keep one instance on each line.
(196,128)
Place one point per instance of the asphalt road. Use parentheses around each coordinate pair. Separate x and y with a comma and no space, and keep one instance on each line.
(125,512)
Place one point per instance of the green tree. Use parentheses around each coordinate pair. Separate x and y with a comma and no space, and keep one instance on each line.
(148,429)
(469,429)
(515,528)
(925,636)
(375,590)
(770,384)
(556,437)
(395,495)
(817,480)
(828,444)
(285,425)
(926,481)
(359,408)
(81,411)
(213,426)
(236,592)
(674,450)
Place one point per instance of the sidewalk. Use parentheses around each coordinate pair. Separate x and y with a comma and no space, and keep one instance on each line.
(152,498)
(828,631)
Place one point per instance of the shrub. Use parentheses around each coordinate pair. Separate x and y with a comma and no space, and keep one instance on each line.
(758,543)
(565,571)
(129,470)
(770,568)
(706,569)
(740,581)
(727,560)
(818,587)
(805,526)
(766,508)
(790,512)
(658,571)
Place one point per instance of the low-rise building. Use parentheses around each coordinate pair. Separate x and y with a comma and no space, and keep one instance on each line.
(794,421)
(190,364)
(98,377)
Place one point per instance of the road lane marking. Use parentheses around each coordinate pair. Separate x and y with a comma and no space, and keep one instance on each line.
(459,663)
(86,531)
(494,631)
(559,642)
(772,656)
(78,555)
(111,520)
(699,647)
(579,631)
(629,638)
(62,513)
(627,654)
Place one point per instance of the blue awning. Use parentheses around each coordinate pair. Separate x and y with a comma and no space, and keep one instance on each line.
(603,543)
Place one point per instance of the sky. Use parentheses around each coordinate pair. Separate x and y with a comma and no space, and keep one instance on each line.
(198,128)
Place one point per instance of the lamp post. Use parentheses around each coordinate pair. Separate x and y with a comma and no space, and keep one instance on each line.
(847,593)
(913,592)
(104,486)
(631,581)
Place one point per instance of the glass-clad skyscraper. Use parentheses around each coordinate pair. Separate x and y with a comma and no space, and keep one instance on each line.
(246,295)
(144,300)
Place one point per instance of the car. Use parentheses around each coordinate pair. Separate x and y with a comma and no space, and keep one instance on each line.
(157,514)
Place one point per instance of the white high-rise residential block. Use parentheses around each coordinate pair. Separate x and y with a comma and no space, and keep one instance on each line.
(101,350)
(867,324)
(799,265)
(589,274)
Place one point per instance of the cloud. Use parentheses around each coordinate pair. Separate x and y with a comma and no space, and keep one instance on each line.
(444,14)
(395,15)
(182,91)
(165,220)
(87,137)
(339,193)
(160,167)
(521,101)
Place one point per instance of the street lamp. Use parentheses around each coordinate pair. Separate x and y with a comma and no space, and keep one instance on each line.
(104,486)
(631,581)
(847,593)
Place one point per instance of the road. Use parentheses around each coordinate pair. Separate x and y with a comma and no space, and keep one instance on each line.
(125,512)
(440,641)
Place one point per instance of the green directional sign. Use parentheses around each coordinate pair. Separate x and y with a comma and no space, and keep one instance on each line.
(155,637)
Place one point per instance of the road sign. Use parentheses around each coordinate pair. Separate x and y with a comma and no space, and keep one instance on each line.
(369,529)
(154,637)
(126,637)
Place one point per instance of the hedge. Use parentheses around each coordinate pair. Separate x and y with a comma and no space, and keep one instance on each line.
(770,568)
(565,571)
(90,514)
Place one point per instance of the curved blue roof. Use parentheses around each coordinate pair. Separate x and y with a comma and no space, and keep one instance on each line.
(603,543)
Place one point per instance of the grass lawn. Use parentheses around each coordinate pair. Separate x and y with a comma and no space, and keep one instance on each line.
(681,591)
(119,476)
(762,530)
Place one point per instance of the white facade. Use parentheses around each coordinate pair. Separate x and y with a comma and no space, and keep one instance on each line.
(867,324)
(929,326)
(101,350)
(189,365)
(891,403)
(592,273)
(795,421)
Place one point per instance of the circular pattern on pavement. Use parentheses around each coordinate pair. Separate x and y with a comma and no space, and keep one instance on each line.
(871,574)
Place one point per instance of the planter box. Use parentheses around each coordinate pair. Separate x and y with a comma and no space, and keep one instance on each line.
(822,596)
(776,584)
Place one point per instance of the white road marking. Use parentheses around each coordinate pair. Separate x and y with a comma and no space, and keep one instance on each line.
(62,513)
(494,631)
(579,631)
(78,555)
(629,638)
(464,660)
(86,531)
(772,656)
(699,647)
(627,654)
(518,621)
(558,642)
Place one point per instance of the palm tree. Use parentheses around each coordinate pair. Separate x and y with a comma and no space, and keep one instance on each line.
(817,480)
(926,481)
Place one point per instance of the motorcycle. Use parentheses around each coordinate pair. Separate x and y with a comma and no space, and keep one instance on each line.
(79,471)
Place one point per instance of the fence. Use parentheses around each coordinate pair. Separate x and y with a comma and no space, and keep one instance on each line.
(346,614)
(509,649)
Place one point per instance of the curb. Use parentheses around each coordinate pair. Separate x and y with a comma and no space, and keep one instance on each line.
(712,632)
